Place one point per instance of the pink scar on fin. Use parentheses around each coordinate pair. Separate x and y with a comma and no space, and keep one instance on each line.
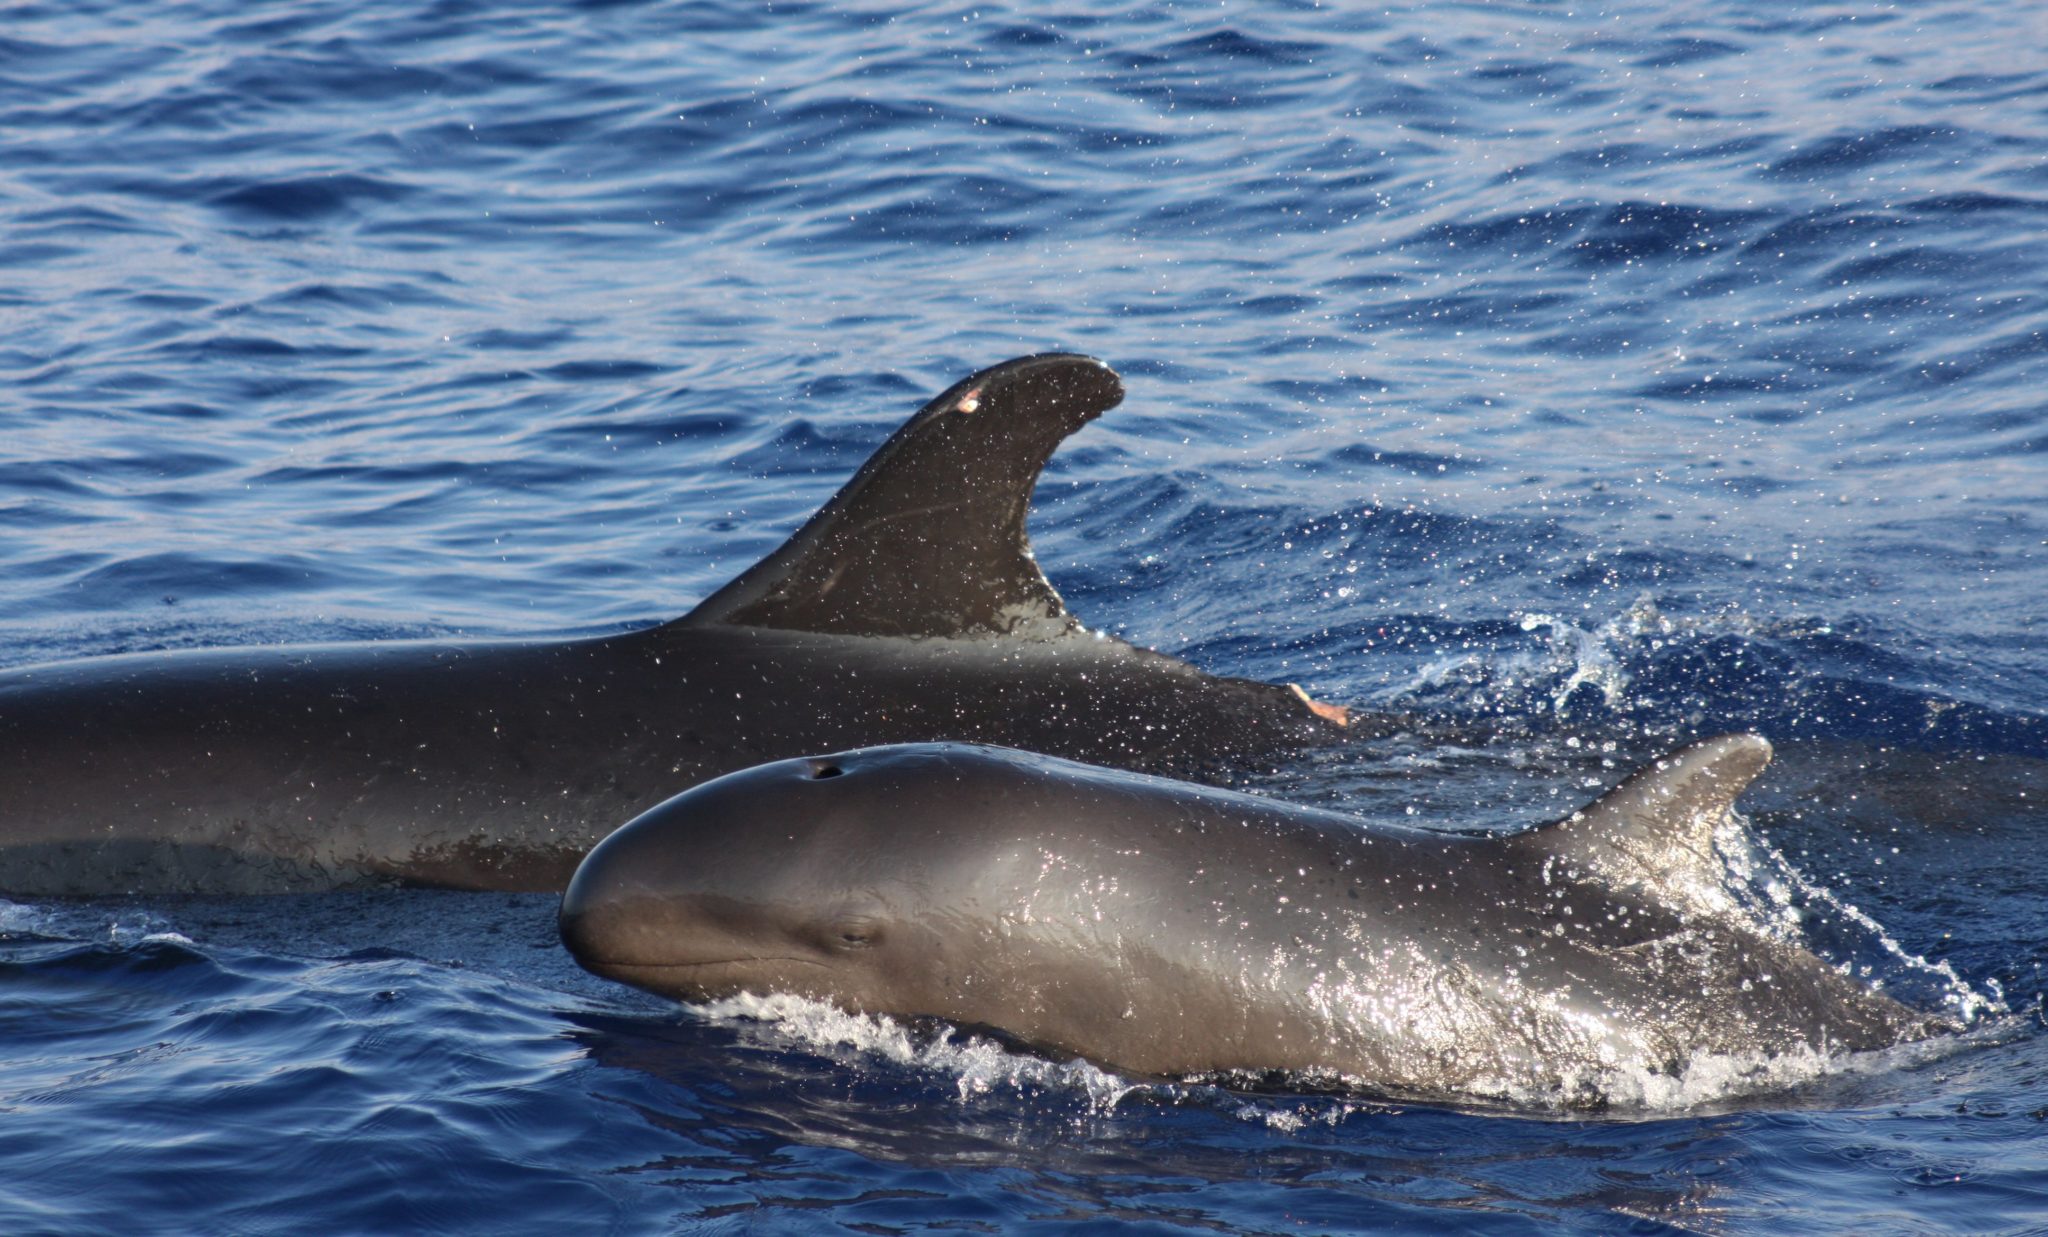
(1328,712)
(969,402)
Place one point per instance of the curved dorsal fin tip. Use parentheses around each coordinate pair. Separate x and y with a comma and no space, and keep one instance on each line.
(1742,755)
(929,538)
(1660,821)
(1708,774)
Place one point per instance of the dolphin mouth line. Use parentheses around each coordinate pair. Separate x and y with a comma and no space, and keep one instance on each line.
(622,964)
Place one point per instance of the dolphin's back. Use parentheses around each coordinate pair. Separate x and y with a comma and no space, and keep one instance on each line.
(1173,929)
(909,608)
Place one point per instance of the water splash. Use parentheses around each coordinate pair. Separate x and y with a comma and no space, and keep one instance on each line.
(1549,674)
(1790,906)
(1579,658)
(977,1065)
(978,1068)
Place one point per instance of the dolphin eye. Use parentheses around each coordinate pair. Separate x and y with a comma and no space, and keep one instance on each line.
(853,934)
(846,929)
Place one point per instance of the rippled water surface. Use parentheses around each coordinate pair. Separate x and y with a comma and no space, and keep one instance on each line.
(1581,379)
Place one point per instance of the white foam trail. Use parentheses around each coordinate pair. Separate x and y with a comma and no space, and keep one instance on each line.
(1718,1078)
(979,1067)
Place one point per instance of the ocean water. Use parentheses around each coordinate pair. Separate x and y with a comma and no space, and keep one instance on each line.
(1578,379)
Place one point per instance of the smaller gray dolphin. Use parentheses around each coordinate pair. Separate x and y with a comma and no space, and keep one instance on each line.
(1174,930)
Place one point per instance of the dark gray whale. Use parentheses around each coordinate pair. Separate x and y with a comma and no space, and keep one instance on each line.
(908,608)
(1171,929)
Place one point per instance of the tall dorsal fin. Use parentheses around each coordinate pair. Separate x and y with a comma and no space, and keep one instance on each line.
(928,538)
(1655,831)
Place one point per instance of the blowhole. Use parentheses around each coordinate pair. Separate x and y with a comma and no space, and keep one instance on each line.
(824,769)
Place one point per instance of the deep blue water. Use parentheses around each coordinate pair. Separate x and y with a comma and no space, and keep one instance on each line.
(1588,379)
